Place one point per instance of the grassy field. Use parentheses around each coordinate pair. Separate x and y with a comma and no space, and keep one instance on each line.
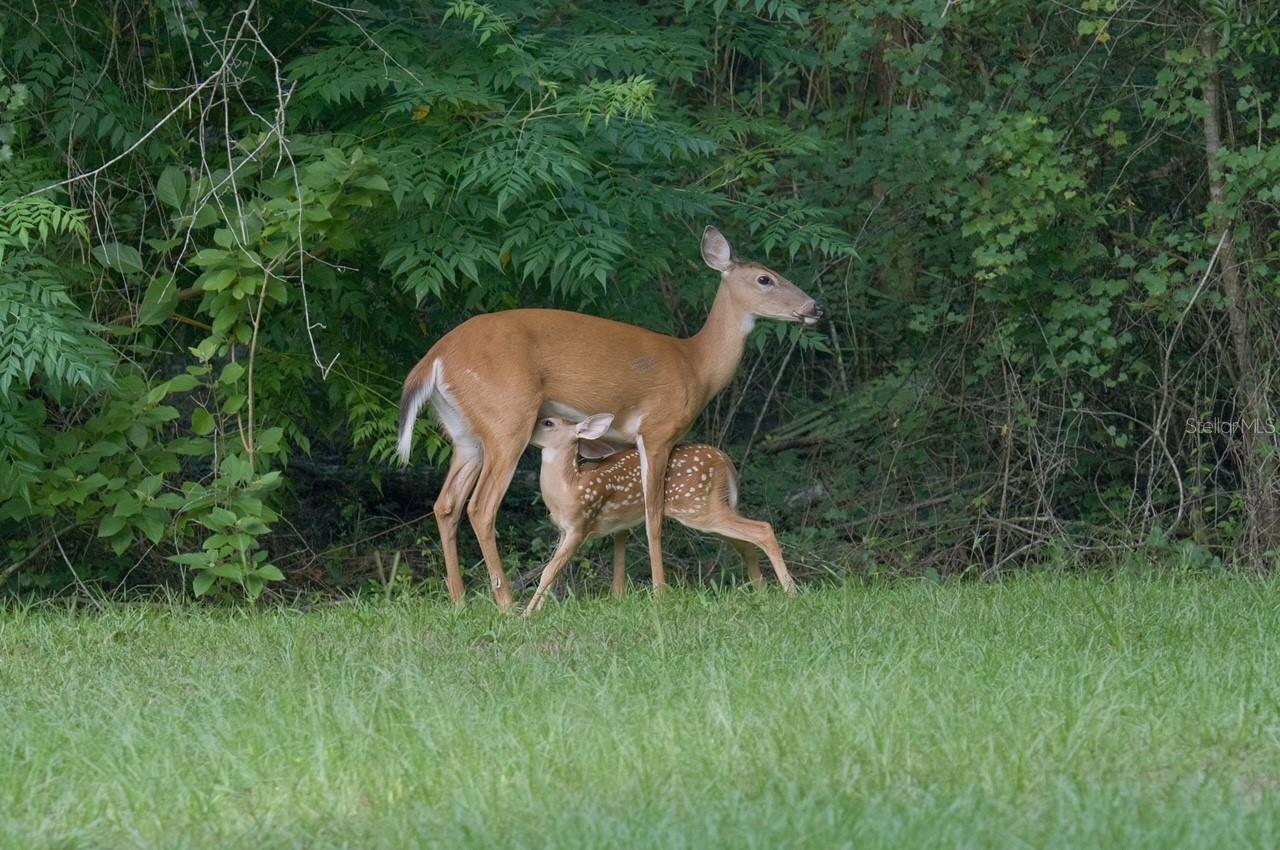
(1039,712)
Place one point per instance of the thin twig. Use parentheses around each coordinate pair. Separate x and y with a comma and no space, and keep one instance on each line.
(92,173)
(746,453)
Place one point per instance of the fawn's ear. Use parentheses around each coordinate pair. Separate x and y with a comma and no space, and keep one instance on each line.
(595,449)
(594,427)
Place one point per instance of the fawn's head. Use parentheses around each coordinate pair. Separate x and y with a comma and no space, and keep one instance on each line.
(559,434)
(762,291)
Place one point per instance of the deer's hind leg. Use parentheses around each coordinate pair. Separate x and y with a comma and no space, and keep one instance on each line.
(464,468)
(500,459)
(500,420)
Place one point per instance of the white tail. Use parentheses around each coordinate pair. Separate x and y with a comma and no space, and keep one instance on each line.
(492,377)
(594,500)
(413,397)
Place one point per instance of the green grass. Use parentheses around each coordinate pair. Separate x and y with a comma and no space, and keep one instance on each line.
(1041,712)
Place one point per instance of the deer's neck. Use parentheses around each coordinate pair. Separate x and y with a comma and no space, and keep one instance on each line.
(558,479)
(718,347)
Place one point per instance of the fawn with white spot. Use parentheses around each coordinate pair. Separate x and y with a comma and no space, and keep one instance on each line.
(593,500)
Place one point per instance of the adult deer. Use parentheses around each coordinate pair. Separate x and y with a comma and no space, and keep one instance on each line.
(490,378)
(605,498)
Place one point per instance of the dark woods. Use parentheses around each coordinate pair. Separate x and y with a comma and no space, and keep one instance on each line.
(1045,235)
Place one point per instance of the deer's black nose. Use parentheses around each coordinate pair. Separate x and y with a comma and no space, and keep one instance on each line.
(810,313)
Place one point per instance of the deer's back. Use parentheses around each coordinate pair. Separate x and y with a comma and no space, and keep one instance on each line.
(571,361)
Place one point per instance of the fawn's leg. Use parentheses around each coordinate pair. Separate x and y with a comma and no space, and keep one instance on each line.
(569,544)
(752,560)
(728,524)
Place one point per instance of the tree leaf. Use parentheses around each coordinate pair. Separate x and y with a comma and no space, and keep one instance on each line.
(269,439)
(183,383)
(158,302)
(151,524)
(202,421)
(121,258)
(270,572)
(235,572)
(216,281)
(110,526)
(203,583)
(171,188)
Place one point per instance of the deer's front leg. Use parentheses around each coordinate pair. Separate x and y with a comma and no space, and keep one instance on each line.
(620,563)
(653,477)
(569,544)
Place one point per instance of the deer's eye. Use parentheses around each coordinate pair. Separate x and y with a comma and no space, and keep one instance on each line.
(764,280)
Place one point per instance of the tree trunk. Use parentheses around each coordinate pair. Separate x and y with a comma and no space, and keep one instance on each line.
(1257,465)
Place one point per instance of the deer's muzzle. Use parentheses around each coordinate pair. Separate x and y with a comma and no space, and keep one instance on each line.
(810,313)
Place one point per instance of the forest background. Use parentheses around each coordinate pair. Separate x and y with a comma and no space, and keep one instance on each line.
(1045,234)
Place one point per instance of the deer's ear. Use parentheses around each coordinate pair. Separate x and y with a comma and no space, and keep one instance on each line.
(715,250)
(595,449)
(594,427)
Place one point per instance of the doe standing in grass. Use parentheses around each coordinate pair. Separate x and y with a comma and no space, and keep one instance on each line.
(490,379)
(592,500)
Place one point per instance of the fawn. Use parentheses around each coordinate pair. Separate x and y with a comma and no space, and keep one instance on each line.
(595,499)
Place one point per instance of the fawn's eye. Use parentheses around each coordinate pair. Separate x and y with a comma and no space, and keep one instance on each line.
(764,280)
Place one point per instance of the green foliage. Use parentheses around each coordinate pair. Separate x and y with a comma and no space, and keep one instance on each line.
(25,222)
(43,334)
(226,235)
(231,553)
